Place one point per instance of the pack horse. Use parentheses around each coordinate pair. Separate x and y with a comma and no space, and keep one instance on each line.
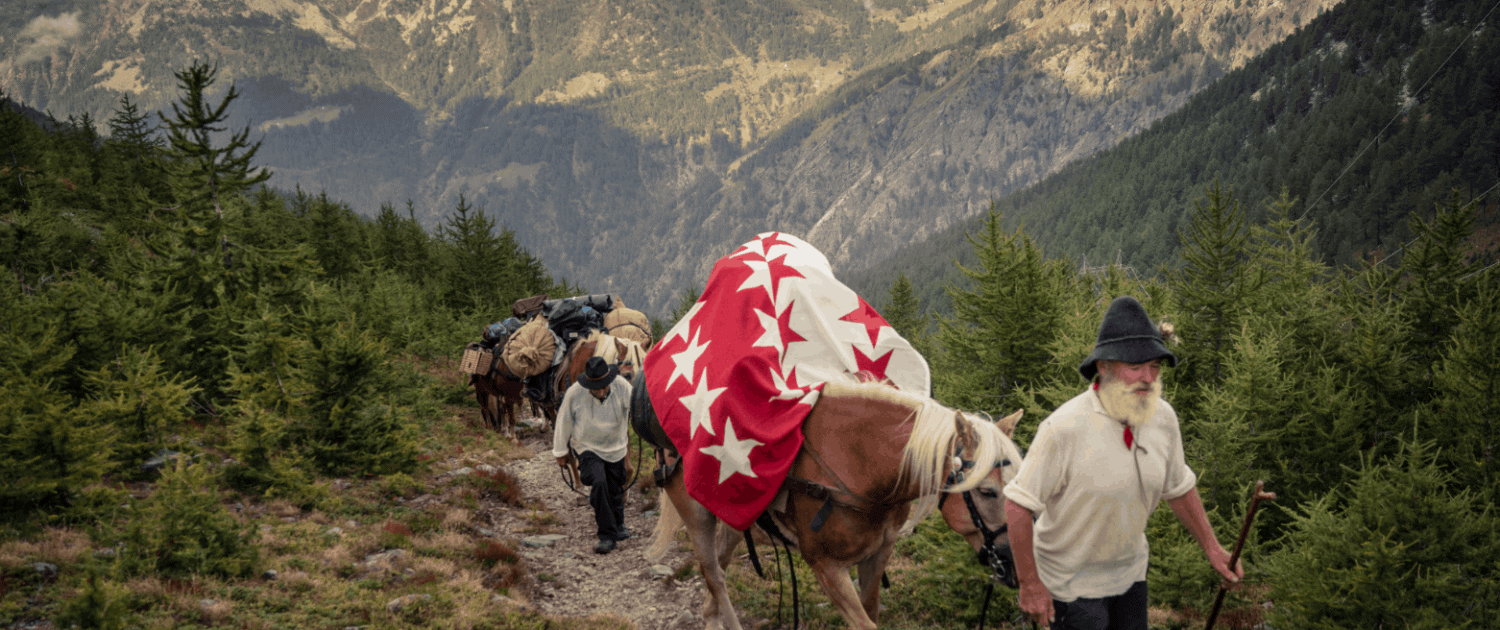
(788,404)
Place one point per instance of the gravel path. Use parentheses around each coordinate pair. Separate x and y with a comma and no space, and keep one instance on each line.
(570,580)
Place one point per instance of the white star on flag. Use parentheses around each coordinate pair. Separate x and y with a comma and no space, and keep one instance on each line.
(687,360)
(771,335)
(760,276)
(733,455)
(698,403)
(683,326)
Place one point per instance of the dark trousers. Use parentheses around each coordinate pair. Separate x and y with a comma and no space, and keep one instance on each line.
(606,494)
(1126,611)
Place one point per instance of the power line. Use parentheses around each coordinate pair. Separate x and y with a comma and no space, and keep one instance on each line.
(1398,114)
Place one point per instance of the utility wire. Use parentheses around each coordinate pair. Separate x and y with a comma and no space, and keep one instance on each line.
(1398,114)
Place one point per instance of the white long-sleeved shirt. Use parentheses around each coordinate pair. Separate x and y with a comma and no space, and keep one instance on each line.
(594,425)
(1091,499)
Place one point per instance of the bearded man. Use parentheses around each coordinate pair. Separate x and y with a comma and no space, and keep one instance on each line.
(1095,472)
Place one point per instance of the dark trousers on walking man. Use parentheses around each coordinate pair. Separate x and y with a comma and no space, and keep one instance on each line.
(606,494)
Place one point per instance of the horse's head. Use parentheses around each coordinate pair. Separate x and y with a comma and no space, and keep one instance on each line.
(979,514)
(629,355)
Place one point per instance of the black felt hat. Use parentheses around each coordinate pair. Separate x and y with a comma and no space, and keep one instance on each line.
(598,374)
(1126,335)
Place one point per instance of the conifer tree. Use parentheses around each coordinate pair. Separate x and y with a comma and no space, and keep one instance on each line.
(1436,264)
(200,269)
(205,176)
(401,244)
(47,452)
(140,401)
(1238,421)
(997,341)
(1466,423)
(1212,288)
(685,302)
(487,272)
(903,312)
(1400,545)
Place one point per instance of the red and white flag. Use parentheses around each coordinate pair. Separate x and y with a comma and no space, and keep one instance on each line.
(733,381)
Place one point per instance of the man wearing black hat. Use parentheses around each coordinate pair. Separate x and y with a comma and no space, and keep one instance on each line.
(594,418)
(1097,469)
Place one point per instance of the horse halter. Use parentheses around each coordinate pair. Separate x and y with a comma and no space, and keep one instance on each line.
(1001,561)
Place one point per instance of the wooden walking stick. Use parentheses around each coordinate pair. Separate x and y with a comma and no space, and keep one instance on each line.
(1255,500)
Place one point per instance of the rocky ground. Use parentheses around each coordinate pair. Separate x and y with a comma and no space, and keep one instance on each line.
(569,579)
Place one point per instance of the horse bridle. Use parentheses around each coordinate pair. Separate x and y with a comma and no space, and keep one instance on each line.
(1000,560)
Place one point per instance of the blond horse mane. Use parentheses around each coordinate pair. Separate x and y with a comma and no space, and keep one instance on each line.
(932,444)
(605,348)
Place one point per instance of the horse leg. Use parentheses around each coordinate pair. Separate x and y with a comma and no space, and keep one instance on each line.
(833,576)
(507,416)
(729,541)
(482,397)
(870,570)
(718,611)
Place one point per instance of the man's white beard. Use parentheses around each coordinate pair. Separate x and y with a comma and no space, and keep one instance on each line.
(1122,404)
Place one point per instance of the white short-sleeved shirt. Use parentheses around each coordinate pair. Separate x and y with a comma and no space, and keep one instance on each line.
(594,425)
(1081,481)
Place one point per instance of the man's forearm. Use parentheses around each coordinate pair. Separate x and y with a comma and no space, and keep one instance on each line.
(1018,522)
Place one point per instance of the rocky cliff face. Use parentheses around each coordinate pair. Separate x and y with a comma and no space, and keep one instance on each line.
(630,144)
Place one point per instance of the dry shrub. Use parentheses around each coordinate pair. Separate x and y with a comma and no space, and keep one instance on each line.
(283,508)
(446,544)
(491,553)
(456,518)
(57,546)
(218,611)
(392,527)
(435,566)
(508,569)
(499,485)
(336,556)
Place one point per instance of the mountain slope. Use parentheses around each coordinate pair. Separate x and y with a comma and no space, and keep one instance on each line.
(630,144)
(1370,114)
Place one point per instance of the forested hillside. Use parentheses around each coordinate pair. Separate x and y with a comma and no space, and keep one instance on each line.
(1371,113)
(151,280)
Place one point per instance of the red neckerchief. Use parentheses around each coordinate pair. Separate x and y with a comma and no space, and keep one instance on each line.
(1129,437)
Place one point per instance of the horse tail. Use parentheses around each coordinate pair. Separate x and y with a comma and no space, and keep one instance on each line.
(666,530)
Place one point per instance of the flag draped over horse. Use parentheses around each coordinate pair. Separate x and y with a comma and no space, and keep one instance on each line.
(733,381)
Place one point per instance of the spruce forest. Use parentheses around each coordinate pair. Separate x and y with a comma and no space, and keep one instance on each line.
(160,300)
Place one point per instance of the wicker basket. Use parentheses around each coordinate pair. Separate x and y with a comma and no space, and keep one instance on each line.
(476,361)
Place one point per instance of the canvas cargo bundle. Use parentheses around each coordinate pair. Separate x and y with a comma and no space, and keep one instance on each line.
(531,349)
(524,308)
(476,360)
(628,323)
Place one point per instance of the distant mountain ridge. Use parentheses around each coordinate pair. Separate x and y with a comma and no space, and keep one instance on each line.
(631,143)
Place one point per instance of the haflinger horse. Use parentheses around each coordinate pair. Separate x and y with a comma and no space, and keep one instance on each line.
(877,450)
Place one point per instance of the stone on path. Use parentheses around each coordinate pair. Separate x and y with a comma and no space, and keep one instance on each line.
(544,540)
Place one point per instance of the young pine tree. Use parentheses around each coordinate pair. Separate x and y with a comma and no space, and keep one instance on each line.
(997,341)
(1212,289)
(904,313)
(1400,545)
(1468,388)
